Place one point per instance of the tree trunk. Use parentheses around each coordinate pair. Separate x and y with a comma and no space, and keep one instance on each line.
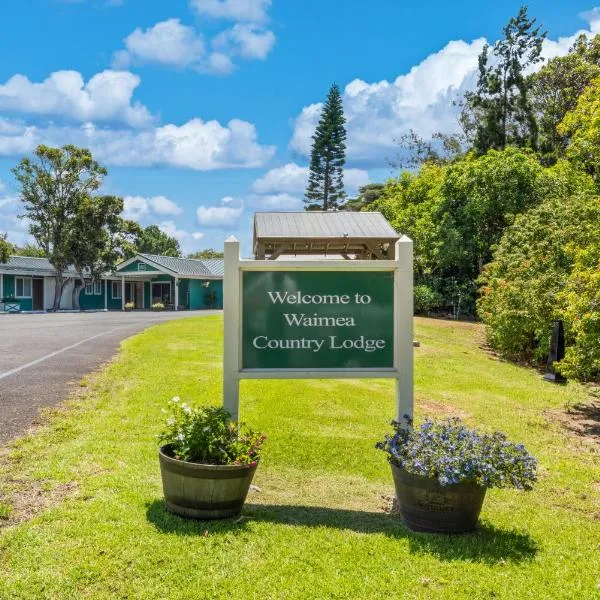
(58,289)
(77,289)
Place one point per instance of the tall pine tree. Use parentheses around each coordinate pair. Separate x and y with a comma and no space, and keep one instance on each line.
(499,113)
(325,189)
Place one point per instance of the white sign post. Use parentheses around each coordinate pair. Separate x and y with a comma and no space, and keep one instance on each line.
(395,347)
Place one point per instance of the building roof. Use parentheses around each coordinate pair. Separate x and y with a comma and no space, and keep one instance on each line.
(213,267)
(29,264)
(318,224)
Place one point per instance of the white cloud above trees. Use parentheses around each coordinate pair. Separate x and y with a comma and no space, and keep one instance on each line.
(226,215)
(422,99)
(198,145)
(106,97)
(168,43)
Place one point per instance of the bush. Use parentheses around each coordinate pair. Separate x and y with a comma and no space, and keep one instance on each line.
(581,301)
(158,306)
(129,305)
(426,299)
(452,453)
(207,435)
(523,288)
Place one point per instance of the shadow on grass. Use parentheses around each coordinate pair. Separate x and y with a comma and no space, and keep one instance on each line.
(487,544)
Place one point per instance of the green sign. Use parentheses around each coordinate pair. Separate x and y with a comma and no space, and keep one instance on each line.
(317,320)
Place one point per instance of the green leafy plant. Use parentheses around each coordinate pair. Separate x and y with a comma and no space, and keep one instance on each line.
(130,305)
(452,453)
(158,306)
(207,435)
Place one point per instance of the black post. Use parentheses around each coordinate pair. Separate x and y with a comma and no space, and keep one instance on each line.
(557,352)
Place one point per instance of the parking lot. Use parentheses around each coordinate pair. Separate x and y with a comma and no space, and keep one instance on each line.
(43,355)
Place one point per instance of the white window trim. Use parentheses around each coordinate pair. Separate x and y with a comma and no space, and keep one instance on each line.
(89,290)
(30,286)
(119,295)
(98,287)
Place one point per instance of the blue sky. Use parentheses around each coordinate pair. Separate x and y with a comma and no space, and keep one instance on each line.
(203,109)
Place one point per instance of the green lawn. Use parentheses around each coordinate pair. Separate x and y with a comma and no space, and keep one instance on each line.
(86,487)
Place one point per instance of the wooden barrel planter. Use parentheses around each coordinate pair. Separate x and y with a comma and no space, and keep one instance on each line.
(200,491)
(426,505)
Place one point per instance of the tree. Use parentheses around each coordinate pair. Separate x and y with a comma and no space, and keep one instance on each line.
(415,151)
(100,239)
(152,240)
(546,268)
(499,113)
(29,249)
(208,253)
(325,189)
(6,248)
(54,183)
(582,126)
(555,90)
(367,194)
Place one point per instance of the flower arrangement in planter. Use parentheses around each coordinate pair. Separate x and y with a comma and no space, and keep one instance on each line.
(158,306)
(443,468)
(207,461)
(129,305)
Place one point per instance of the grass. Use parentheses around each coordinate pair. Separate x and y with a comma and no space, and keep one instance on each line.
(88,519)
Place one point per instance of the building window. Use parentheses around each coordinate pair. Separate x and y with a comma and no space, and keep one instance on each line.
(88,289)
(142,267)
(23,287)
(97,288)
(116,290)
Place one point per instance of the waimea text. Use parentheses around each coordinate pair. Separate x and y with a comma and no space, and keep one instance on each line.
(332,342)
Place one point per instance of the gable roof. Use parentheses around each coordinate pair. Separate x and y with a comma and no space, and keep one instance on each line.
(190,267)
(319,224)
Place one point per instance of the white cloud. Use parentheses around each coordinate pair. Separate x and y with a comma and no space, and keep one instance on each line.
(140,208)
(135,208)
(163,206)
(226,215)
(187,240)
(237,10)
(422,99)
(168,43)
(10,223)
(197,144)
(292,178)
(245,40)
(107,96)
(276,202)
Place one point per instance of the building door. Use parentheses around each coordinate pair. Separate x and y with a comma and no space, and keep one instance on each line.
(37,293)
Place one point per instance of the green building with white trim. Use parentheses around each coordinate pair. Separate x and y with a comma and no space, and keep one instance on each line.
(27,284)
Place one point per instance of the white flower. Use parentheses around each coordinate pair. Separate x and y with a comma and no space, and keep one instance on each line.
(186,409)
(175,399)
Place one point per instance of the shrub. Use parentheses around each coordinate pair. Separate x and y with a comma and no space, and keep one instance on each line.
(452,453)
(207,435)
(426,299)
(158,306)
(522,288)
(130,305)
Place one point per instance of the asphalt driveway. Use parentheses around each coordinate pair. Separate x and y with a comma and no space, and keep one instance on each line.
(42,355)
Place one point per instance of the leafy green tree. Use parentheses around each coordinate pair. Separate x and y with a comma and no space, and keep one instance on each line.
(6,248)
(29,249)
(367,194)
(325,190)
(152,240)
(555,90)
(499,112)
(545,268)
(208,253)
(582,126)
(100,239)
(53,185)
